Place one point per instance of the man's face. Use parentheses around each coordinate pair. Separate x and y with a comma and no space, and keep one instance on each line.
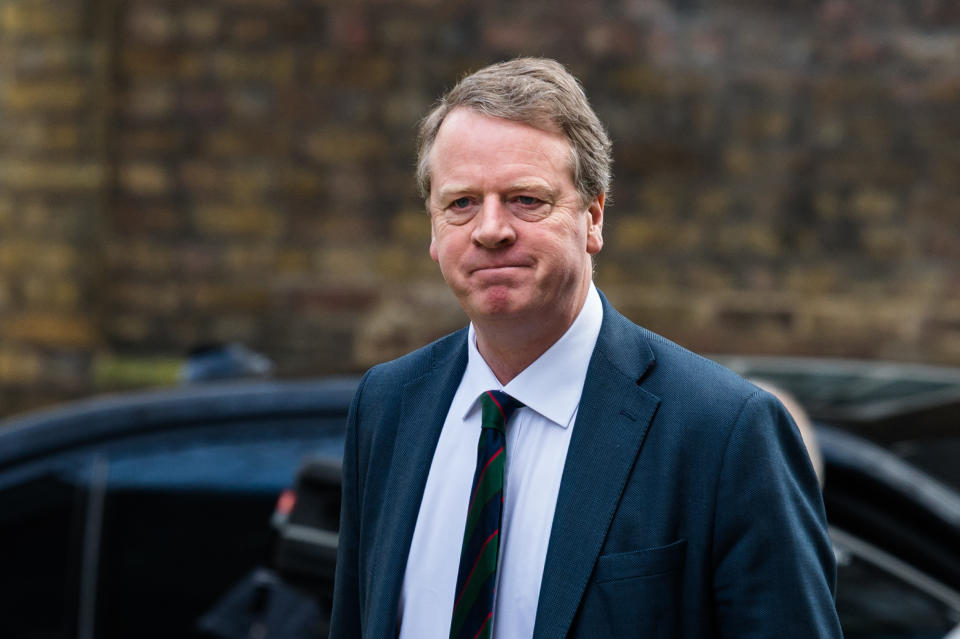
(511,234)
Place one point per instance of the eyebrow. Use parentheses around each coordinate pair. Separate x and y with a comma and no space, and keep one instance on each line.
(447,191)
(538,186)
(532,185)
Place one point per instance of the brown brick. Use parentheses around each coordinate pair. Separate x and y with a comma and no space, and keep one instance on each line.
(713,203)
(412,227)
(198,175)
(747,239)
(151,23)
(830,130)
(37,256)
(51,330)
(300,182)
(348,264)
(163,64)
(827,205)
(201,23)
(293,261)
(50,95)
(237,221)
(6,297)
(152,298)
(403,108)
(250,103)
(221,297)
(323,66)
(149,100)
(56,58)
(348,28)
(128,327)
(138,218)
(638,79)
(7,217)
(658,200)
(875,204)
(241,327)
(275,67)
(888,242)
(403,31)
(345,230)
(249,259)
(19,365)
(337,145)
(141,255)
(229,143)
(46,137)
(145,179)
(34,19)
(52,175)
(152,142)
(250,183)
(51,294)
(739,160)
(366,72)
(253,30)
(641,233)
(398,263)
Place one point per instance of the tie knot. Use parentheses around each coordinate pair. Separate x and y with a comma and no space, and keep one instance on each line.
(497,408)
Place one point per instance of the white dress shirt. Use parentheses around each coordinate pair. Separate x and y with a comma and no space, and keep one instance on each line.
(537,439)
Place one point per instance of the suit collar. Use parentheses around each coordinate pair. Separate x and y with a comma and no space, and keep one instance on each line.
(423,409)
(612,423)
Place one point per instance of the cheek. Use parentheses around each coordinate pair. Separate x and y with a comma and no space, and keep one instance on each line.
(445,247)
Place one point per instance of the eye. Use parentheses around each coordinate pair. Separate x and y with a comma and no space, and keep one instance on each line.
(460,210)
(529,208)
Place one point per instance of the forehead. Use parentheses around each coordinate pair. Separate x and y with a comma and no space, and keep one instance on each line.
(471,142)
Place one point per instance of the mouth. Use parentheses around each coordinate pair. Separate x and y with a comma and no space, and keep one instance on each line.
(499,267)
(497,272)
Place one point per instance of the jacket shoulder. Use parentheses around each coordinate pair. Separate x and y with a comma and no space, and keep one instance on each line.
(668,369)
(391,375)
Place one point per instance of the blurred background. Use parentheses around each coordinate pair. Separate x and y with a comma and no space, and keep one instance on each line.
(177,173)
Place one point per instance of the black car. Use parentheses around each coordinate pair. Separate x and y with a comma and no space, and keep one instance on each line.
(157,515)
(130,516)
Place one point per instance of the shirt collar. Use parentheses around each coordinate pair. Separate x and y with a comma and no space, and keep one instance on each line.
(552,384)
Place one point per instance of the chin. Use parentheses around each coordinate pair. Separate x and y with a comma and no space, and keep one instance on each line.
(495,302)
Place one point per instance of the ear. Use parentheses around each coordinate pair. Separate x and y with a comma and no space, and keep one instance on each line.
(595,224)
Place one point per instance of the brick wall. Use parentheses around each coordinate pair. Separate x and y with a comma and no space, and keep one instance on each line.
(53,89)
(175,173)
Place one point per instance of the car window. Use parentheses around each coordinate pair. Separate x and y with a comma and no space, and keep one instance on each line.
(938,457)
(41,516)
(159,525)
(880,597)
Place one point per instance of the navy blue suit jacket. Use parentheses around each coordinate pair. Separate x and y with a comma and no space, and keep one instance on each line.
(687,508)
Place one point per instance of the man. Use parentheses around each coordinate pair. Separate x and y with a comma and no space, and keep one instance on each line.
(647,492)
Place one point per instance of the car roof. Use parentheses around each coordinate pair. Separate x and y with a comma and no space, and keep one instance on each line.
(861,394)
(98,418)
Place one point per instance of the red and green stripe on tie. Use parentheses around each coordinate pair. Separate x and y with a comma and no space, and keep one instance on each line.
(476,580)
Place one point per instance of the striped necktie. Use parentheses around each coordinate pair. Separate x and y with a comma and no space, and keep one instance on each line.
(473,602)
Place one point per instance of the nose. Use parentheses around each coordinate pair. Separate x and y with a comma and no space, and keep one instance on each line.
(494,225)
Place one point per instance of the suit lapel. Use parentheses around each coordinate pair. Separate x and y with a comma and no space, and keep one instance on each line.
(423,409)
(612,422)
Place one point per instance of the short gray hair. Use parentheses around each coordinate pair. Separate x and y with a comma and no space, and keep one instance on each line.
(535,91)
